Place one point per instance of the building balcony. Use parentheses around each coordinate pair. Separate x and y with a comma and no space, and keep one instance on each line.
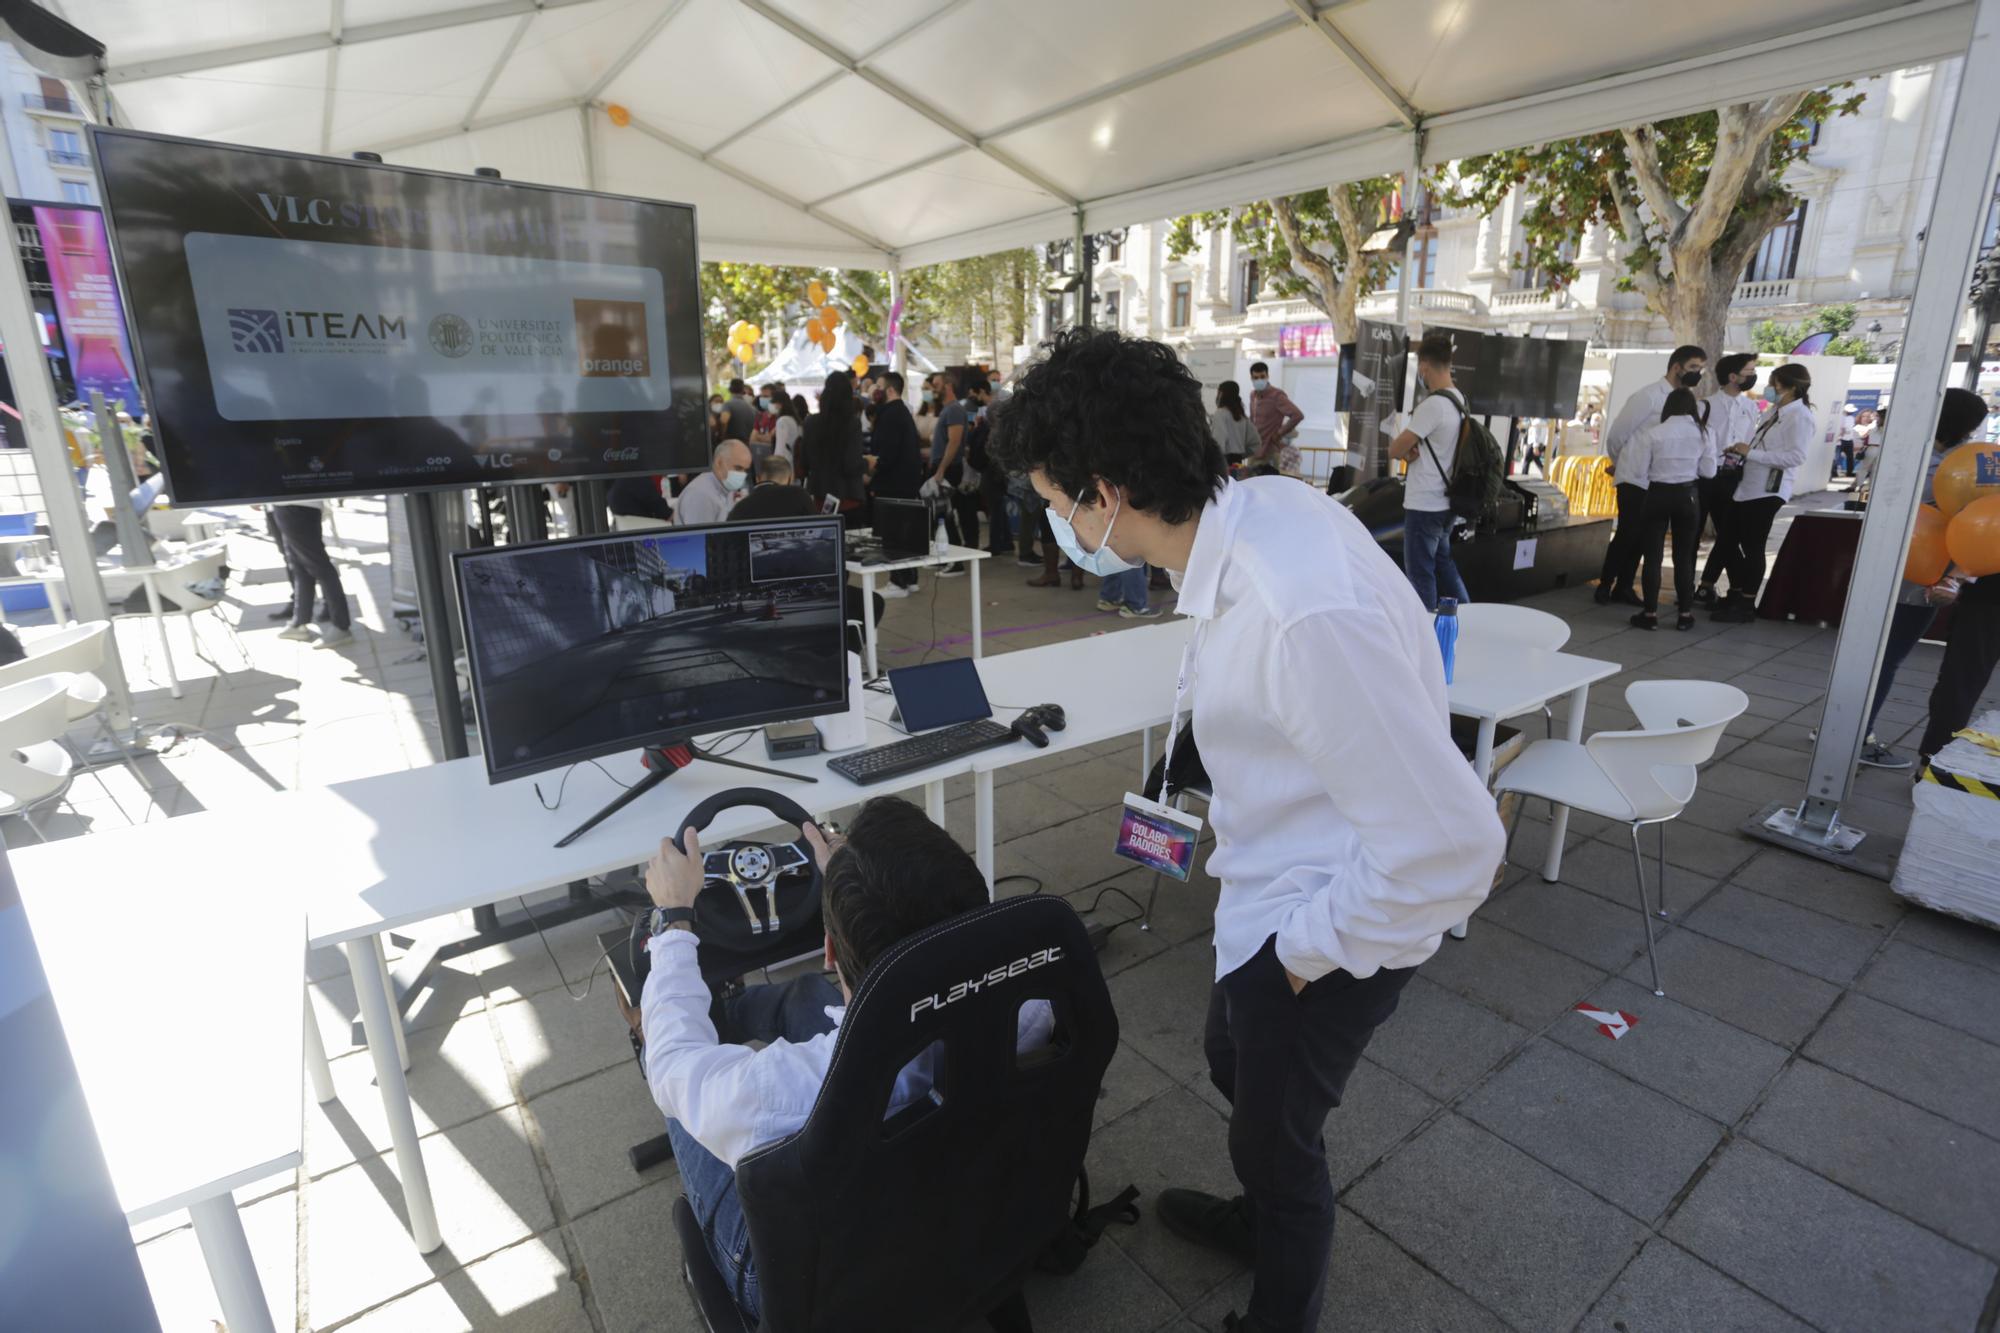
(1531,298)
(1778,292)
(62,158)
(1429,300)
(61,106)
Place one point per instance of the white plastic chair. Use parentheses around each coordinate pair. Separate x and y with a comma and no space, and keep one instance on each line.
(34,767)
(1639,777)
(1503,622)
(79,651)
(193,585)
(636,522)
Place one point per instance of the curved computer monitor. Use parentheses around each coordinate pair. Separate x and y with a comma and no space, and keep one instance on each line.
(591,647)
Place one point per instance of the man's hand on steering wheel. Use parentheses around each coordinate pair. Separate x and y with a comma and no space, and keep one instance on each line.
(822,846)
(674,877)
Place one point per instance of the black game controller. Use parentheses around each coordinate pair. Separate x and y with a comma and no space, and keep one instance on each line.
(1034,724)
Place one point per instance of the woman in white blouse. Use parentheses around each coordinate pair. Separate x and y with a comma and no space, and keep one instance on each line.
(1230,426)
(791,425)
(1771,462)
(1669,458)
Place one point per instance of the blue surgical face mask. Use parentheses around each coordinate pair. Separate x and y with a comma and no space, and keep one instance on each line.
(1103,560)
(763,404)
(1257,385)
(735,479)
(927,395)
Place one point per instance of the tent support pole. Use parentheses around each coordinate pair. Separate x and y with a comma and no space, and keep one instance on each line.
(1944,272)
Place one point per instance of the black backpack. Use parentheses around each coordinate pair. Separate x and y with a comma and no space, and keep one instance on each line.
(1476,469)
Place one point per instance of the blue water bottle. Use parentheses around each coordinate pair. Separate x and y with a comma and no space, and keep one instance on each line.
(1447,628)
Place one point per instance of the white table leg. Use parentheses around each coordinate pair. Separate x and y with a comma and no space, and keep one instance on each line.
(227,1252)
(978,629)
(982,826)
(316,1066)
(934,802)
(160,623)
(395,1013)
(868,619)
(371,987)
(1559,817)
(1482,764)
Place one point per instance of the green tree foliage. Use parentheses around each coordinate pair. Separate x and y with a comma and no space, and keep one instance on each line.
(1693,196)
(1308,243)
(1779,339)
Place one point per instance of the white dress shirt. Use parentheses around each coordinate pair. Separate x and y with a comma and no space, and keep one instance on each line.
(1732,418)
(1668,453)
(703,500)
(735,1099)
(1347,824)
(1641,410)
(1777,453)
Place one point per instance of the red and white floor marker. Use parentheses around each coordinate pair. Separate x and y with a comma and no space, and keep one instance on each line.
(1613,1023)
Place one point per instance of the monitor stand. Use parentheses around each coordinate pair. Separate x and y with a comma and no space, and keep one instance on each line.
(661,764)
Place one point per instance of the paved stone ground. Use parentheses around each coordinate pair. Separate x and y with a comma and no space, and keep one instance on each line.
(1805,1135)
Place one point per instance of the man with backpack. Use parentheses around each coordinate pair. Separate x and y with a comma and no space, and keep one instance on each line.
(1431,507)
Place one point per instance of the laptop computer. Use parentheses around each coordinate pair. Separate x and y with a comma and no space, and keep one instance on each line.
(939,694)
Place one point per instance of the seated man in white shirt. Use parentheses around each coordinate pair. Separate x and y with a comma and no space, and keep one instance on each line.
(1349,831)
(894,875)
(709,497)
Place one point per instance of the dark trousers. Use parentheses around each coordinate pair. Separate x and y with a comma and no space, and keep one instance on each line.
(1719,494)
(1969,654)
(1671,509)
(300,528)
(1621,559)
(993,491)
(1843,459)
(1753,533)
(1907,623)
(1282,1060)
(1032,522)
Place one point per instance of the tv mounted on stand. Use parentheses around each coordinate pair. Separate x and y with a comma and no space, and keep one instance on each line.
(310,326)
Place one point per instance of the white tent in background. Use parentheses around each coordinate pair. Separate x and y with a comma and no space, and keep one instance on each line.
(802,367)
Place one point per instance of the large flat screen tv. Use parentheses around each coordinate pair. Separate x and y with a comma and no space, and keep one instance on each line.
(312,326)
(599,645)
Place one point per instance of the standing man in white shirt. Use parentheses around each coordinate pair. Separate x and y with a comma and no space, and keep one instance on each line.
(1347,839)
(709,497)
(1430,447)
(1621,561)
(1732,419)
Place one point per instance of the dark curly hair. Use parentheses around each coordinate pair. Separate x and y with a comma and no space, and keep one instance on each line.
(897,874)
(1098,405)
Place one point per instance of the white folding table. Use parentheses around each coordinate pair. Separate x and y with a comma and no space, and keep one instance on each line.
(183,1017)
(952,555)
(1494,679)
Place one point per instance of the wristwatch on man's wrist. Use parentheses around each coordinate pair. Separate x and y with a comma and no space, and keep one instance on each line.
(666,918)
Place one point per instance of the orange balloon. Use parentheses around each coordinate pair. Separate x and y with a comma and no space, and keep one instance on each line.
(814,330)
(826,341)
(1974,537)
(829,317)
(859,367)
(619,115)
(1928,558)
(816,292)
(1967,472)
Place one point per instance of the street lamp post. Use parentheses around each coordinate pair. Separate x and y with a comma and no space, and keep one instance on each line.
(1057,254)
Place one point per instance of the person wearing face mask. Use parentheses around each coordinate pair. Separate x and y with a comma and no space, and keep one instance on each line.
(1771,461)
(763,429)
(1641,411)
(709,497)
(1672,457)
(1347,839)
(739,414)
(715,419)
(1430,447)
(1732,419)
(1273,413)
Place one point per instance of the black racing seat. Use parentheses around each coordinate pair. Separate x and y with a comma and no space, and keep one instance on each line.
(931,1218)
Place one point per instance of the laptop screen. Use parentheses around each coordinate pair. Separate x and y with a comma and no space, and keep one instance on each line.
(941,694)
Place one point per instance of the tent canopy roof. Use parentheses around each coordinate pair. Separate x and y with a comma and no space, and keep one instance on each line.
(844,133)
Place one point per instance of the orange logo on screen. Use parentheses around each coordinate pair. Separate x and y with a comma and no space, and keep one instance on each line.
(611,339)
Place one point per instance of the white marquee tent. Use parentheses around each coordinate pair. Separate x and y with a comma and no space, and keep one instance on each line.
(896,133)
(857,132)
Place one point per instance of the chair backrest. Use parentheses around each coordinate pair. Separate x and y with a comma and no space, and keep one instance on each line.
(79,649)
(1681,723)
(928,1218)
(182,582)
(1516,624)
(636,522)
(33,713)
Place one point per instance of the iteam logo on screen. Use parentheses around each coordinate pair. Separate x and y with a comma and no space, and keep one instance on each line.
(611,338)
(255,331)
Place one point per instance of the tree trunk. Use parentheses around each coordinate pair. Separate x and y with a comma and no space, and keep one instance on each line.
(1697,308)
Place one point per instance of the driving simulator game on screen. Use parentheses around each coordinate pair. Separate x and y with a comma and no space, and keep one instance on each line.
(585,648)
(310,326)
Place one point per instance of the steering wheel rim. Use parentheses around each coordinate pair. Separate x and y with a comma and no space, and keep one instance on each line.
(732,873)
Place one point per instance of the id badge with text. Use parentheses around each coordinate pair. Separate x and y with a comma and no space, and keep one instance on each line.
(1158,836)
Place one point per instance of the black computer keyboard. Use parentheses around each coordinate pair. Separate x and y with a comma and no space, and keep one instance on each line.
(933,747)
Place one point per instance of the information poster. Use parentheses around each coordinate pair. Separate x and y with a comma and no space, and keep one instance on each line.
(86,297)
(1375,396)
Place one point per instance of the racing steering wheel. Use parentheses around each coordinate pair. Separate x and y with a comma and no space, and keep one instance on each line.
(733,873)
